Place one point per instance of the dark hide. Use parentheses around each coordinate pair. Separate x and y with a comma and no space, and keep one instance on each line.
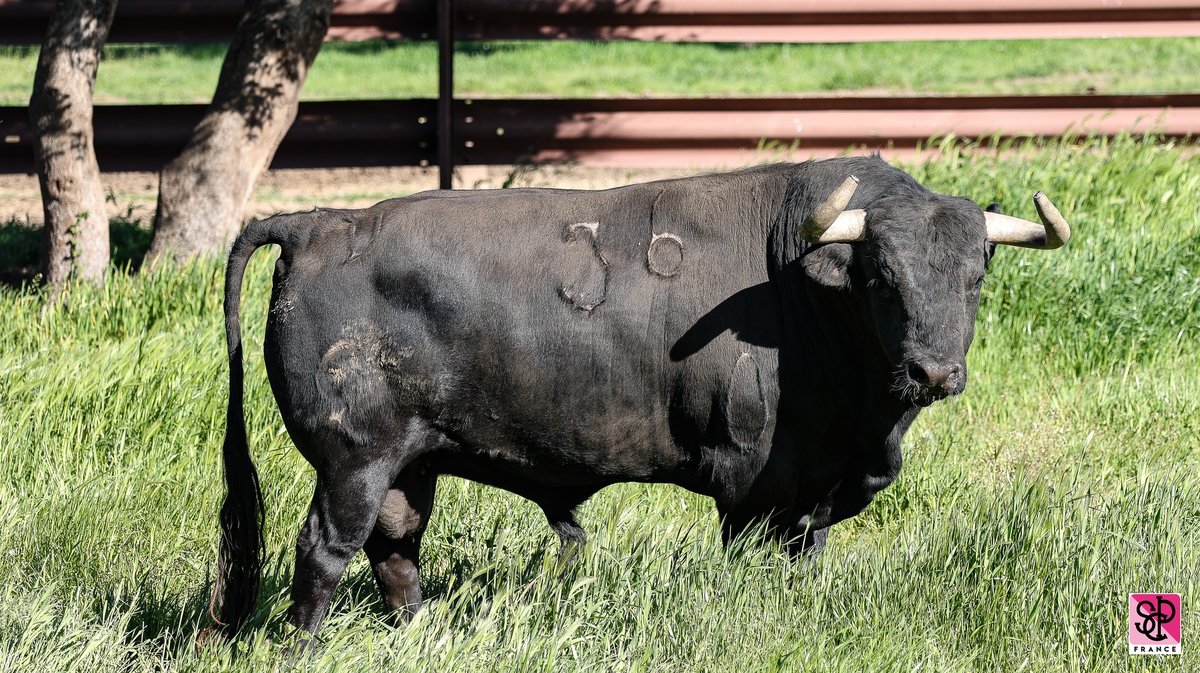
(555,342)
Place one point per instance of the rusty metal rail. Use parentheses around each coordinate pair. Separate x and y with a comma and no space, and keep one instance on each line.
(23,21)
(625,132)
(683,132)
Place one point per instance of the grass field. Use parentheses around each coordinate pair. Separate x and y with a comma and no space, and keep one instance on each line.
(175,74)
(1063,479)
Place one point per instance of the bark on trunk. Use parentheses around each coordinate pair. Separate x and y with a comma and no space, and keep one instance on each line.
(60,112)
(202,194)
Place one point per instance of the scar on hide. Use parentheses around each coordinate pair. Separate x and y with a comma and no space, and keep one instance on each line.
(282,303)
(665,255)
(586,286)
(355,370)
(282,309)
(591,227)
(360,240)
(745,403)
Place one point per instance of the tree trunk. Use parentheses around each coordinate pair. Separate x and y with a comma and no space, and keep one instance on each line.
(202,194)
(60,113)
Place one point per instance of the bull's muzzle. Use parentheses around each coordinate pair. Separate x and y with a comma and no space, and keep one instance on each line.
(937,379)
(925,381)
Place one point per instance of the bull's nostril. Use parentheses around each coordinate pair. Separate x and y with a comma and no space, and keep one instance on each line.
(917,373)
(955,374)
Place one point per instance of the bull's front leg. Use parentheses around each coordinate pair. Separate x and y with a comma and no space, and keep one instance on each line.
(877,464)
(805,539)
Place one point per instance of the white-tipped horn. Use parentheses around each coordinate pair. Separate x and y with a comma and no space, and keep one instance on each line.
(1053,232)
(830,222)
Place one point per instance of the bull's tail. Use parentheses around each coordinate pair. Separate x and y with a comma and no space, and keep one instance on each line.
(239,564)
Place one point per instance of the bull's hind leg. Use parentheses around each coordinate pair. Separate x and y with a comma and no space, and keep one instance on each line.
(343,512)
(394,546)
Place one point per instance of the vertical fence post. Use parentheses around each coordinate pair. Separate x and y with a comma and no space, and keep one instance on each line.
(445,119)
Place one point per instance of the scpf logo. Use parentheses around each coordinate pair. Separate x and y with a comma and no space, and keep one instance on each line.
(1154,623)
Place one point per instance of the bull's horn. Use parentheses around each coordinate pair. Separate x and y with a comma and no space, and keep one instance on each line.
(830,222)
(1053,232)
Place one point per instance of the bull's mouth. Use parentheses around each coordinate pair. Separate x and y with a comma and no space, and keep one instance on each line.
(922,396)
(921,382)
(926,396)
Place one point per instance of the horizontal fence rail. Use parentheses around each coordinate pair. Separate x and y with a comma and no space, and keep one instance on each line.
(23,21)
(686,132)
(646,132)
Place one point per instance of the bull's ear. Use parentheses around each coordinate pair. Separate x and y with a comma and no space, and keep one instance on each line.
(991,247)
(829,265)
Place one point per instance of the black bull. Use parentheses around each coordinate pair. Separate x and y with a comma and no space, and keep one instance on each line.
(552,343)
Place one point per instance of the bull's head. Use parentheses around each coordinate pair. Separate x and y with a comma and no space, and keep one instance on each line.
(918,262)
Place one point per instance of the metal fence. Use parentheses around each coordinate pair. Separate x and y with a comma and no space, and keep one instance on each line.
(449,131)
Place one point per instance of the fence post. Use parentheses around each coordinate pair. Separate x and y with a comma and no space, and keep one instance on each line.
(445,119)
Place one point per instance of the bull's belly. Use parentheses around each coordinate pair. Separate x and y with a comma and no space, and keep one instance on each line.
(570,420)
(548,474)
(570,428)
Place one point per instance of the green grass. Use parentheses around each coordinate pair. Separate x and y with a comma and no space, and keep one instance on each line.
(1028,508)
(173,74)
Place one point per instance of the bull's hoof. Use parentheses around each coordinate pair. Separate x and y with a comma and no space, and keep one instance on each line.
(302,646)
(808,546)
